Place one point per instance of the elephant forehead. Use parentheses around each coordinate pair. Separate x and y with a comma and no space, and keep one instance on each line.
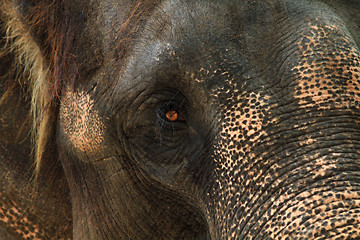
(329,68)
(80,122)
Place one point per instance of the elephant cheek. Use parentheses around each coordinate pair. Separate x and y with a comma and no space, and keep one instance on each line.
(80,123)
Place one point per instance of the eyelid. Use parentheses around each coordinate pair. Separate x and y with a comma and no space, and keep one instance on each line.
(167,109)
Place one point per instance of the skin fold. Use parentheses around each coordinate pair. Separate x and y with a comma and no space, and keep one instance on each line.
(180,119)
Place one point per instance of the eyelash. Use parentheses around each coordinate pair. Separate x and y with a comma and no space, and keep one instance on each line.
(163,121)
(164,108)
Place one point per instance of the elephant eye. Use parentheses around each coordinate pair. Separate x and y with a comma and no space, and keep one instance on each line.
(174,116)
(170,112)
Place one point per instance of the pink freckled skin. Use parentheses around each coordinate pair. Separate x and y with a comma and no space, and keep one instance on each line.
(81,123)
(13,218)
(330,78)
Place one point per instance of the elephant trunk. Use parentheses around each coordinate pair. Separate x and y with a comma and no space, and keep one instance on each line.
(318,197)
(303,185)
(286,162)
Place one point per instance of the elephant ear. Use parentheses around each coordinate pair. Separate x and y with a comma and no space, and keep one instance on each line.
(26,49)
(40,35)
(35,17)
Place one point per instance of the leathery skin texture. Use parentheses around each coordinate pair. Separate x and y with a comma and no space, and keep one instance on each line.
(271,200)
(265,186)
(204,120)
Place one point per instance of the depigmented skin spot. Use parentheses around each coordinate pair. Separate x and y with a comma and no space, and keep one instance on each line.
(329,68)
(243,122)
(242,128)
(14,218)
(81,123)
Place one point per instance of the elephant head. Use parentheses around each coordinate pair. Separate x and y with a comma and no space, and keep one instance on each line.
(193,119)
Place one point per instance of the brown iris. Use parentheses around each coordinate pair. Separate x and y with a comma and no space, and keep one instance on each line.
(172,116)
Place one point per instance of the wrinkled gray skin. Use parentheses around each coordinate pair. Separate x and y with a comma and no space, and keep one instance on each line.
(267,145)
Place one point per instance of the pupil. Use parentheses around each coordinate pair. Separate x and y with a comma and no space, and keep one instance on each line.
(172,115)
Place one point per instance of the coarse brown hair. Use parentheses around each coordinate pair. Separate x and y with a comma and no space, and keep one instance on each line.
(41,37)
(40,41)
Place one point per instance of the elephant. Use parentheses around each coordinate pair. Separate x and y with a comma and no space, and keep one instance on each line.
(198,119)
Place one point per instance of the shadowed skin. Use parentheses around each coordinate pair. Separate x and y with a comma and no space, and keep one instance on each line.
(267,145)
